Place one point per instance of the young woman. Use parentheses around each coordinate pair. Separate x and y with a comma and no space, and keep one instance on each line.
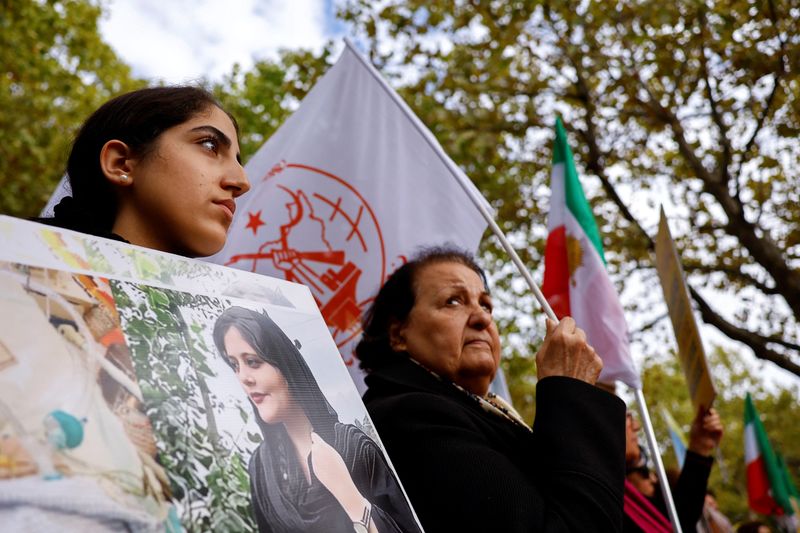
(156,167)
(311,473)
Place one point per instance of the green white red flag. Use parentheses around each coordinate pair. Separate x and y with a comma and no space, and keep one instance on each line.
(767,486)
(576,283)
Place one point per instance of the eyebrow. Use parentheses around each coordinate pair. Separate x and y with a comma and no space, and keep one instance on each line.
(224,139)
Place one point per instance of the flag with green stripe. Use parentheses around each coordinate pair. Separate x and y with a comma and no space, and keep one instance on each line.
(576,283)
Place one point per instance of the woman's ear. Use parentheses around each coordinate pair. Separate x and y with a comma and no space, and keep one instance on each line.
(116,162)
(397,338)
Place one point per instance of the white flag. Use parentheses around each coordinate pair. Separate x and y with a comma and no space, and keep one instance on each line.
(344,193)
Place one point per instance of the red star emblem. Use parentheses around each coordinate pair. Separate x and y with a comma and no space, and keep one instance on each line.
(255,222)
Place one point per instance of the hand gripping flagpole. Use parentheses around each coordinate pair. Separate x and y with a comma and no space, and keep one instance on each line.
(481,205)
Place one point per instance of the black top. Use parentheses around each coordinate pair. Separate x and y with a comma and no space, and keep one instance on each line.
(89,229)
(466,469)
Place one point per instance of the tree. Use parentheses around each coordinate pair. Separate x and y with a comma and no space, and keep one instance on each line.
(55,70)
(692,104)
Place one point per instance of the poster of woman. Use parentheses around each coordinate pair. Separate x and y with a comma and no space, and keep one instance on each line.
(311,472)
(182,366)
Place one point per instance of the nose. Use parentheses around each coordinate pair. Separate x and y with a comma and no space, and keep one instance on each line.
(245,377)
(235,180)
(480,318)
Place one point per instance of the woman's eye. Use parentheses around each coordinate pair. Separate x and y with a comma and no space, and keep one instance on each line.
(210,144)
(453,300)
(254,363)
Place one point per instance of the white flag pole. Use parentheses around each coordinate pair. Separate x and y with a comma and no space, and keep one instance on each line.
(478,200)
(666,491)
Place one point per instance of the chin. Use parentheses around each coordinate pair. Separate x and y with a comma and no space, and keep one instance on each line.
(209,245)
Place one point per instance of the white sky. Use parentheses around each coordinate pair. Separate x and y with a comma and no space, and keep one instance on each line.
(184,40)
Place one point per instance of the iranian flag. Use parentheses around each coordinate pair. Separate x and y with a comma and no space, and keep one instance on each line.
(767,490)
(576,283)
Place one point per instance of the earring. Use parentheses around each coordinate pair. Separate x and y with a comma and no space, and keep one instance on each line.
(123,178)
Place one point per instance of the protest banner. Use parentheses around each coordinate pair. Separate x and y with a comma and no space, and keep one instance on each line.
(136,391)
(690,347)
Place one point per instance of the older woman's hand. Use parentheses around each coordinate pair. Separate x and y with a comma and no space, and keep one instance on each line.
(565,352)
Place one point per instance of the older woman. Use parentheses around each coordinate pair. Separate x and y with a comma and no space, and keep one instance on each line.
(467,461)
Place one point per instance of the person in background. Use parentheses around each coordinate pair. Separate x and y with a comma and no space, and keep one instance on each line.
(647,512)
(713,521)
(755,526)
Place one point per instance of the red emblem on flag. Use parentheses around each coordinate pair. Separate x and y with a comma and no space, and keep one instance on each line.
(319,231)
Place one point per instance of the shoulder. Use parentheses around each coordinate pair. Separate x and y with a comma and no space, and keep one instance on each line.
(418,408)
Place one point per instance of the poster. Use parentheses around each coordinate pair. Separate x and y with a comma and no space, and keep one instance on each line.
(175,396)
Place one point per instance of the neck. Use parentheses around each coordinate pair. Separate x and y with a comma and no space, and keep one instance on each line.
(299,428)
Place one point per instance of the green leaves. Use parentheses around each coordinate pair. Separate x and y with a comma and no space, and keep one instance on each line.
(54,71)
(170,355)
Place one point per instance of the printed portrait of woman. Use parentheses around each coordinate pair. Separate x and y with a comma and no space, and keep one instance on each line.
(311,472)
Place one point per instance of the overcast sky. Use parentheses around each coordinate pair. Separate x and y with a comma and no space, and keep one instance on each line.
(184,40)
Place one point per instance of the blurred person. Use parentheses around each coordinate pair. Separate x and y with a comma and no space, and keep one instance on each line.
(713,521)
(650,513)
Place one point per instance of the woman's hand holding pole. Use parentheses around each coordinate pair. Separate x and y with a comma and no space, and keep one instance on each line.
(565,352)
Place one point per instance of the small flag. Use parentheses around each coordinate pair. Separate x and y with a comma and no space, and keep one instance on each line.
(576,283)
(767,491)
(676,436)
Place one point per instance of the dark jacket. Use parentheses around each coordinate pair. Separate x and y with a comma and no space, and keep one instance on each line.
(466,469)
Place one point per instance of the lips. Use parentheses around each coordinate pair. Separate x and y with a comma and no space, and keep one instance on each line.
(228,205)
(258,397)
(475,342)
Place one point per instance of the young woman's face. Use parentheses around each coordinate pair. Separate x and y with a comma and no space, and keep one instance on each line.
(263,383)
(181,196)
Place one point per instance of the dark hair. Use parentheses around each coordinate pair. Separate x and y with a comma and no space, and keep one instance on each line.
(396,299)
(273,346)
(136,118)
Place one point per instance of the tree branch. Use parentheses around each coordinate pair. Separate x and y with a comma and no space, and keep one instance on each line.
(731,272)
(761,247)
(756,342)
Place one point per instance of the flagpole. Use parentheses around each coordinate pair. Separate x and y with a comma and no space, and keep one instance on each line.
(475,197)
(666,491)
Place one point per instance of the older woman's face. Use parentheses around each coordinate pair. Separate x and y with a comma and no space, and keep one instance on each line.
(263,383)
(450,328)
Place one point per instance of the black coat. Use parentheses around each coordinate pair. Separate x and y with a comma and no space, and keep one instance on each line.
(468,470)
